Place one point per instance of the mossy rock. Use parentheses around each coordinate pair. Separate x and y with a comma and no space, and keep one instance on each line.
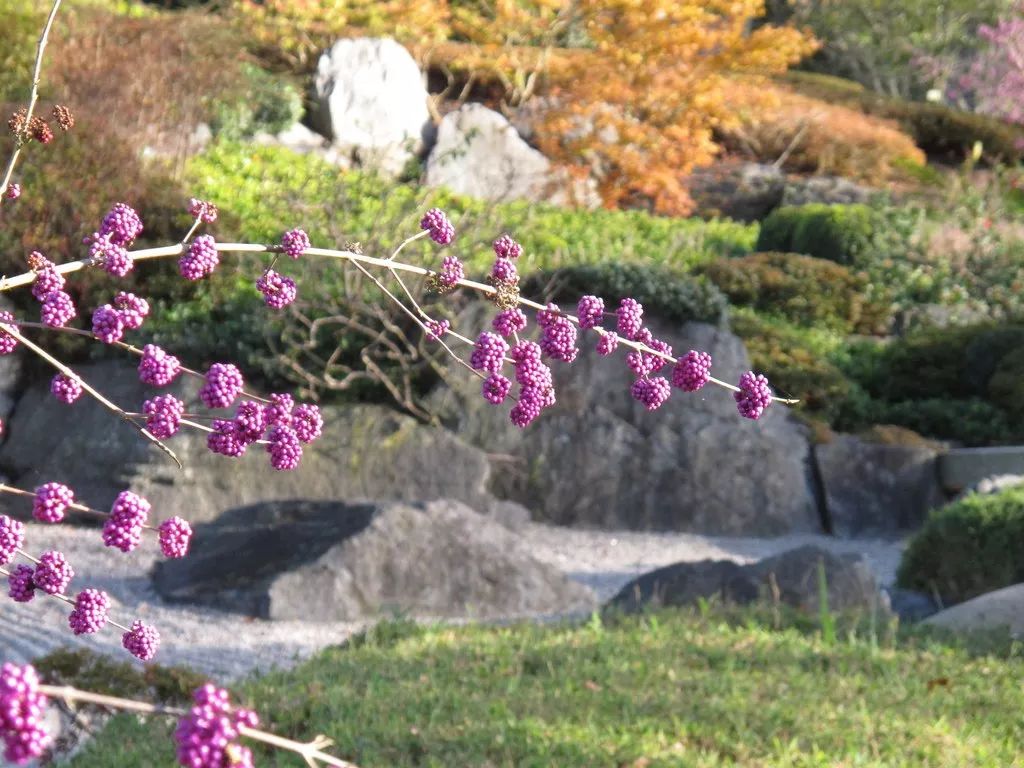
(839,233)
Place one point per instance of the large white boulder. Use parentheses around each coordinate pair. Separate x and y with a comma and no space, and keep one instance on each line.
(371,102)
(480,154)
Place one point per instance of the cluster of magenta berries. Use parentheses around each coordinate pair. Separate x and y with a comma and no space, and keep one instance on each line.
(557,340)
(109,245)
(22,710)
(207,736)
(126,312)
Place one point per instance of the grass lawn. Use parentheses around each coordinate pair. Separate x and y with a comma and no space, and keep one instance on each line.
(668,689)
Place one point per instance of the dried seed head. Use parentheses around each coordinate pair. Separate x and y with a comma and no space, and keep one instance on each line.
(65,119)
(40,130)
(16,123)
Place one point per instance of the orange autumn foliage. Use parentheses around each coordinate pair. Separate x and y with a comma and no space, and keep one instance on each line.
(773,122)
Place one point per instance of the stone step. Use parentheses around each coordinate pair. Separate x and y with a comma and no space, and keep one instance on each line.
(963,467)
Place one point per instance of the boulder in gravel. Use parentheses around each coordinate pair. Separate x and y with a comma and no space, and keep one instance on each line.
(790,577)
(479,154)
(369,99)
(875,488)
(740,191)
(328,561)
(830,190)
(365,452)
(1002,609)
(598,458)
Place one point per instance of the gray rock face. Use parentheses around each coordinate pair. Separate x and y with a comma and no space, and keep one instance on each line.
(366,452)
(745,192)
(329,561)
(599,459)
(791,577)
(370,100)
(478,153)
(830,190)
(877,489)
(1003,608)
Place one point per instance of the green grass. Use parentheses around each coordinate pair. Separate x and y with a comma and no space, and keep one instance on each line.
(669,689)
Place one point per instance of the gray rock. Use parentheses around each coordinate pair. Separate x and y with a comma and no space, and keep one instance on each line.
(328,561)
(366,452)
(996,484)
(598,458)
(479,154)
(875,488)
(824,189)
(791,577)
(1002,609)
(369,99)
(745,191)
(911,606)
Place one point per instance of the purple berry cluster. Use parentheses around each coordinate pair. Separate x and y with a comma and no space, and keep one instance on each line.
(20,585)
(489,353)
(90,612)
(452,271)
(652,392)
(141,641)
(200,260)
(608,343)
(509,321)
(122,224)
(128,516)
(507,248)
(278,290)
(692,371)
(284,448)
(496,388)
(112,255)
(163,415)
(436,222)
(65,388)
(58,309)
(134,309)
(22,709)
(202,210)
(307,422)
(207,736)
(51,501)
(590,311)
(7,342)
(223,384)
(294,242)
(158,368)
(754,396)
(536,386)
(13,191)
(48,279)
(504,271)
(435,329)
(107,324)
(225,439)
(175,535)
(630,318)
(53,573)
(12,537)
(558,335)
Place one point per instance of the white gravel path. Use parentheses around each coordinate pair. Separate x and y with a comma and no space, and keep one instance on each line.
(227,647)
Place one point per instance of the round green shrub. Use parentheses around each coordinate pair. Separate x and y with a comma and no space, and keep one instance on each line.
(265,103)
(802,289)
(664,292)
(967,548)
(1006,387)
(839,233)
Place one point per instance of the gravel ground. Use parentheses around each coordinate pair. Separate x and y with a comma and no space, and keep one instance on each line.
(227,647)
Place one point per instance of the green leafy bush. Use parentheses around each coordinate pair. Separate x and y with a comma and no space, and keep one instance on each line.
(967,548)
(663,292)
(802,289)
(839,233)
(264,102)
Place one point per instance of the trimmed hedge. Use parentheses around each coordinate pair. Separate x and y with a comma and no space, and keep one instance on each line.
(939,130)
(802,289)
(967,548)
(839,233)
(663,292)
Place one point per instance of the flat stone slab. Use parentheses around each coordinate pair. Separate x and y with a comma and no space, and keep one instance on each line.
(993,610)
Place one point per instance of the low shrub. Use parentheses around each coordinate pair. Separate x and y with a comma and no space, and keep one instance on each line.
(264,102)
(967,548)
(802,289)
(941,131)
(668,294)
(839,233)
(809,135)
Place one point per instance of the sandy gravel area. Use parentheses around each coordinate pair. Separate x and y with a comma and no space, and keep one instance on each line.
(228,646)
